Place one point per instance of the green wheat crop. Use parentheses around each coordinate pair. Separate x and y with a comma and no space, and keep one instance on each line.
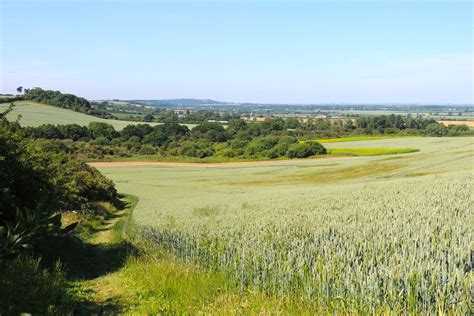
(367,239)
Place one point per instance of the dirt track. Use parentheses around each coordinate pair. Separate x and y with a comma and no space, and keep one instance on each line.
(206,165)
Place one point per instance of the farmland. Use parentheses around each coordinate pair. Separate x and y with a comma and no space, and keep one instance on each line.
(356,234)
(36,114)
(468,123)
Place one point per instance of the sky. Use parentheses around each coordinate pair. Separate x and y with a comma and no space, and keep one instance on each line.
(414,52)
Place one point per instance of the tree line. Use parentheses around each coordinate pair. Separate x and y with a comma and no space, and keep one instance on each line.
(62,100)
(273,138)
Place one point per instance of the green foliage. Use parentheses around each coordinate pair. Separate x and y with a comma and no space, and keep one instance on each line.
(236,126)
(139,130)
(98,129)
(26,181)
(26,287)
(26,229)
(304,150)
(37,182)
(67,101)
(199,149)
(149,118)
(209,131)
(259,146)
(436,129)
(458,130)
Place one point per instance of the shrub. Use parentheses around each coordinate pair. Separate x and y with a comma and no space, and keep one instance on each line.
(147,150)
(37,182)
(307,149)
(198,150)
(259,145)
(436,129)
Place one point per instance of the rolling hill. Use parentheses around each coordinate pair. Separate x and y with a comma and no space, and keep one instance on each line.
(35,114)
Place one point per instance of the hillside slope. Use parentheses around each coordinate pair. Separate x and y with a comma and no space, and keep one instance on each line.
(35,114)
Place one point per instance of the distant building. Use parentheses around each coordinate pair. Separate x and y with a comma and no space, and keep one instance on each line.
(220,122)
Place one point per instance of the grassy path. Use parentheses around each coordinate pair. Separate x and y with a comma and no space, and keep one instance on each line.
(149,280)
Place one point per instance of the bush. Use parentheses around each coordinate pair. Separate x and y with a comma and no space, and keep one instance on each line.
(37,182)
(147,150)
(436,129)
(259,145)
(198,150)
(304,150)
(209,131)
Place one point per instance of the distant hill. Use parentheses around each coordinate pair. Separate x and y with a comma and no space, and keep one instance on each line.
(179,102)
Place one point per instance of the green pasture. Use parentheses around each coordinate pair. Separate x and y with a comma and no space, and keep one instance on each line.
(35,114)
(350,234)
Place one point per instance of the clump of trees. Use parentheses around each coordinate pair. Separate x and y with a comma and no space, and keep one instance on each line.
(307,149)
(99,140)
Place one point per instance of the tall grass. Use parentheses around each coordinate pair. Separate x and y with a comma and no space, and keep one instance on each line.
(26,287)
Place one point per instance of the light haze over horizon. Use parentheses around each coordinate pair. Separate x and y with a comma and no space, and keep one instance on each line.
(241,51)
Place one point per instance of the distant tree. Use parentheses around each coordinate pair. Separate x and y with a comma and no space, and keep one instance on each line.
(236,126)
(156,138)
(149,118)
(210,131)
(98,129)
(304,150)
(292,123)
(74,131)
(273,125)
(19,89)
(436,129)
(47,131)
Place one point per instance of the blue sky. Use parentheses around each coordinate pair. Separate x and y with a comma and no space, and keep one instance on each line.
(242,51)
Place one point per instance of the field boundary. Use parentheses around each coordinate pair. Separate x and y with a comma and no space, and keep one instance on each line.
(104,164)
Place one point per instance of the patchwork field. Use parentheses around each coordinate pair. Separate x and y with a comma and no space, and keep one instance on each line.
(447,122)
(351,234)
(35,114)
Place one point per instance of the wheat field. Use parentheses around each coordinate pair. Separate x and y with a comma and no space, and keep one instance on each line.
(364,234)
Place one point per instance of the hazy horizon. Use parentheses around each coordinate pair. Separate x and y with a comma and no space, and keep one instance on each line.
(270,52)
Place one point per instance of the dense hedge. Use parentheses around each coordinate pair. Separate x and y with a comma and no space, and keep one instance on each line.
(37,183)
